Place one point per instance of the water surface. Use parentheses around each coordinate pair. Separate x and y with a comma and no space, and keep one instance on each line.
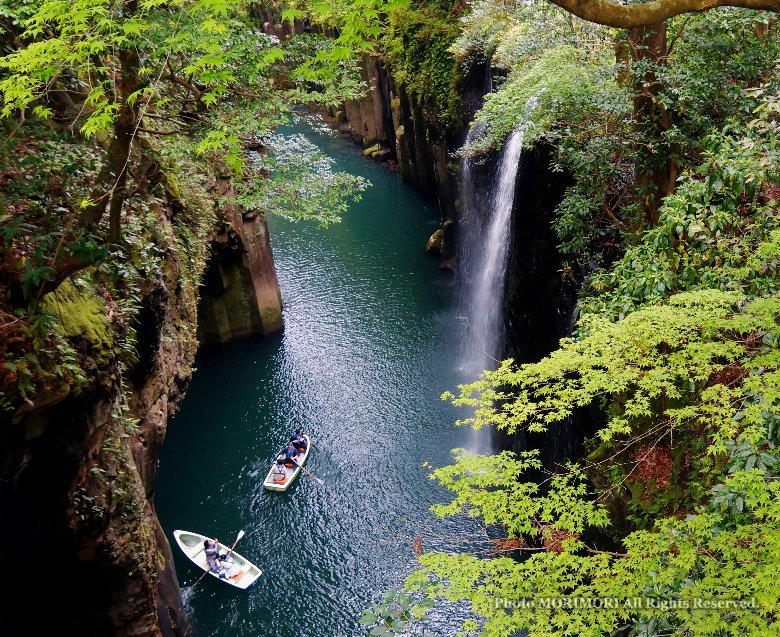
(369,345)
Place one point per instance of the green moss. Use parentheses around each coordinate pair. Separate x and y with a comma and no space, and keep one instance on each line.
(418,51)
(79,312)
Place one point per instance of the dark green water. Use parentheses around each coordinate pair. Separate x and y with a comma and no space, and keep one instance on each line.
(370,343)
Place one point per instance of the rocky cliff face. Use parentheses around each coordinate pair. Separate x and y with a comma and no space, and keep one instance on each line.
(395,127)
(78,476)
(78,534)
(541,292)
(240,296)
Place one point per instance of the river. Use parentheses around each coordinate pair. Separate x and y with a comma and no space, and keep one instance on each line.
(369,345)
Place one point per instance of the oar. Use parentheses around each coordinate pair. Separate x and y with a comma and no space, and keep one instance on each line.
(240,535)
(311,475)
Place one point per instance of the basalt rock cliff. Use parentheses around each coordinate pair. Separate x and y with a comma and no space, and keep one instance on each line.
(240,296)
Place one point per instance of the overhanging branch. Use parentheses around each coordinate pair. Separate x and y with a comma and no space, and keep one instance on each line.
(627,16)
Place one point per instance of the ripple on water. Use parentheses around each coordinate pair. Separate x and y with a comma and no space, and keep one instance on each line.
(367,349)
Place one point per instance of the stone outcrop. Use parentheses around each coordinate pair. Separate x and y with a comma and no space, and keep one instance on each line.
(435,243)
(370,118)
(395,127)
(240,296)
(541,292)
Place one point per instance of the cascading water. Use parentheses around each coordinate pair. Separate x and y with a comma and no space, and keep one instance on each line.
(487,271)
(484,256)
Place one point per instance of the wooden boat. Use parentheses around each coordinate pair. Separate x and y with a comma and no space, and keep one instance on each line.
(280,477)
(192,545)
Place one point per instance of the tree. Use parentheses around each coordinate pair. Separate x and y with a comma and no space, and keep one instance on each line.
(131,76)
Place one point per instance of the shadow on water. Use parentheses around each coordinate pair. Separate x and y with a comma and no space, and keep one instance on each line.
(369,345)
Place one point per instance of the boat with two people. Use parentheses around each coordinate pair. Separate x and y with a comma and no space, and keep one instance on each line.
(288,463)
(217,560)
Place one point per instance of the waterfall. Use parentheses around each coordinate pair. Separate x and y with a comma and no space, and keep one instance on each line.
(487,252)
(484,255)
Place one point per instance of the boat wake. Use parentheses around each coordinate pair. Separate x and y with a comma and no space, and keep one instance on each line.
(186,596)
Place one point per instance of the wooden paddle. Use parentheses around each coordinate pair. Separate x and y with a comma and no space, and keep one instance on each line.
(311,475)
(240,535)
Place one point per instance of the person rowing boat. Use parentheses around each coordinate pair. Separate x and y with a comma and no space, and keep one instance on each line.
(217,562)
(289,456)
(288,464)
(238,571)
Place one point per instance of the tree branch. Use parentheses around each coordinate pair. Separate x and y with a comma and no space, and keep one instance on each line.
(626,16)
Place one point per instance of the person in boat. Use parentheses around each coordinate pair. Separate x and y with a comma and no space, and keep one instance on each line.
(298,440)
(217,561)
(289,455)
(278,474)
(213,557)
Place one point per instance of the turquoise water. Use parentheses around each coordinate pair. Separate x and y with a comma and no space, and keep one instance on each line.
(370,344)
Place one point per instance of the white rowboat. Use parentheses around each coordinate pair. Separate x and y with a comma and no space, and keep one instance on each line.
(192,545)
(278,481)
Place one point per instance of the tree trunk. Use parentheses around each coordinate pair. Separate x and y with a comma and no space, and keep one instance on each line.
(112,179)
(109,190)
(655,170)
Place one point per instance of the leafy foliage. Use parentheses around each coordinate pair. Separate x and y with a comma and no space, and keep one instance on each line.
(125,107)
(719,229)
(417,45)
(658,372)
(397,614)
(301,183)
(655,361)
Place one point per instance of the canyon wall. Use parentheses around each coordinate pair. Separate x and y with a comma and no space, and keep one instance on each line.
(395,127)
(79,533)
(541,292)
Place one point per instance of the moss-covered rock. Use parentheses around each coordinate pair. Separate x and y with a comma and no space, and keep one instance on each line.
(369,152)
(418,53)
(435,243)
(79,311)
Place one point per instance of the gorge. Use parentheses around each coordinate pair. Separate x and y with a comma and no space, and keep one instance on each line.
(360,366)
(193,262)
